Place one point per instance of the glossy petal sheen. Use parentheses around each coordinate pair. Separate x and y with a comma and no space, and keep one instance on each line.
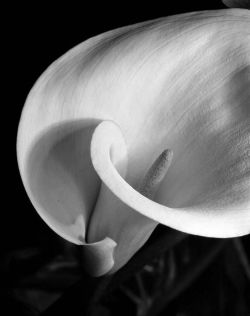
(98,118)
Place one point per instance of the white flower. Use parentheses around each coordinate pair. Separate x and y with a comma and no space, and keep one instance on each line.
(142,125)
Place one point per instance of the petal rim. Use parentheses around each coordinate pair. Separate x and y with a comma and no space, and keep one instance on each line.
(203,222)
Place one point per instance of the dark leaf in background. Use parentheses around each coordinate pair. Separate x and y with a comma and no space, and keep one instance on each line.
(237,3)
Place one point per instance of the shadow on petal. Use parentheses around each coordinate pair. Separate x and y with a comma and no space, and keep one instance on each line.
(214,168)
(60,179)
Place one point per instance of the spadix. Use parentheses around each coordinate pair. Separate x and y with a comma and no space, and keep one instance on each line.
(142,125)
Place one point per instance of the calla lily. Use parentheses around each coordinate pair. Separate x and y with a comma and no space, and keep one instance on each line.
(141,125)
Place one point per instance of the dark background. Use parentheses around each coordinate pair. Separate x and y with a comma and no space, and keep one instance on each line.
(35,36)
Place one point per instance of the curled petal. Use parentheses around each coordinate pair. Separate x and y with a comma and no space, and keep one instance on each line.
(111,216)
(99,256)
(227,221)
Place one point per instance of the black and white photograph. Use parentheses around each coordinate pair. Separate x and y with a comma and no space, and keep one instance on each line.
(126,150)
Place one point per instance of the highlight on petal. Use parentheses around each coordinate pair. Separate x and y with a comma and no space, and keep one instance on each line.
(98,257)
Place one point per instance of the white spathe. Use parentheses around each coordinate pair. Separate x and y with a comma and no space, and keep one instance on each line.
(98,117)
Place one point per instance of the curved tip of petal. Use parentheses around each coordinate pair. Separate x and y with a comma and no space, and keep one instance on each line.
(203,221)
(98,256)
